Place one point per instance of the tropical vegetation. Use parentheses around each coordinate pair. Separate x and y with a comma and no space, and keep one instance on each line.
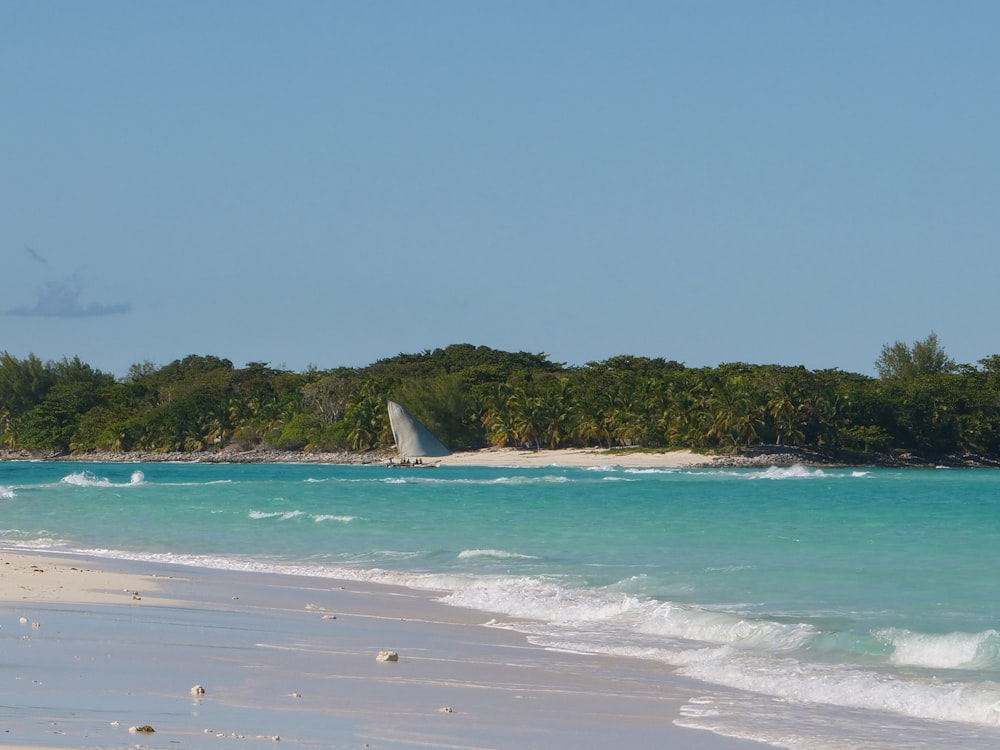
(922,403)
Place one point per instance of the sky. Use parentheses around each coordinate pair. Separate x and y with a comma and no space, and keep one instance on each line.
(326,184)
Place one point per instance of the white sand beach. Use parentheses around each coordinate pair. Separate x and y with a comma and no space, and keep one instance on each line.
(577,458)
(94,647)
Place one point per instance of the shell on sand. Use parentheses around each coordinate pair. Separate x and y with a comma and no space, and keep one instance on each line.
(387,656)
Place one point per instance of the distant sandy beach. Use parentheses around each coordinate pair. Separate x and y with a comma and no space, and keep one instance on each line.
(95,649)
(513,457)
(576,458)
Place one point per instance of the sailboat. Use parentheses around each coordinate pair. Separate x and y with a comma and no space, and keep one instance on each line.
(414,441)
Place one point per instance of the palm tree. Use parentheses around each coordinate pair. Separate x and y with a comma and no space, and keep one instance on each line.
(364,416)
(556,406)
(362,428)
(525,410)
(590,423)
(734,417)
(783,407)
(690,425)
(496,415)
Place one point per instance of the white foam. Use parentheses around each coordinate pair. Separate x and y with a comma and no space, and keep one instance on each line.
(498,553)
(258,514)
(425,478)
(942,651)
(197,484)
(529,480)
(740,652)
(720,647)
(678,621)
(36,543)
(797,471)
(7,493)
(283,515)
(327,517)
(613,611)
(793,680)
(545,600)
(86,479)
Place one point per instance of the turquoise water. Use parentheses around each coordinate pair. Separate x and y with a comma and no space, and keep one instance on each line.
(828,608)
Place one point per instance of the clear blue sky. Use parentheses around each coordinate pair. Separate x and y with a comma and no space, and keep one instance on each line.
(331,183)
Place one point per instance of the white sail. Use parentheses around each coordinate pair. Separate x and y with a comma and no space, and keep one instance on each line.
(413,440)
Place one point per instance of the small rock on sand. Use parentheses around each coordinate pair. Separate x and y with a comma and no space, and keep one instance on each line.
(387,656)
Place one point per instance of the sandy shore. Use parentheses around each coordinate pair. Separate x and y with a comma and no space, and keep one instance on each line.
(576,457)
(41,578)
(568,457)
(95,647)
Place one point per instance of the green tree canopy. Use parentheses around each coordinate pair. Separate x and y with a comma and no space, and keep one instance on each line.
(23,383)
(473,396)
(899,361)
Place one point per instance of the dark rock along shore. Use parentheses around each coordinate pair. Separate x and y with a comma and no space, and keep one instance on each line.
(224,456)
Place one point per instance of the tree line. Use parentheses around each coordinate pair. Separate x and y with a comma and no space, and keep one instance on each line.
(922,403)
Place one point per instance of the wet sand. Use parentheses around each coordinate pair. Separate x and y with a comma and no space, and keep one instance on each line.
(92,647)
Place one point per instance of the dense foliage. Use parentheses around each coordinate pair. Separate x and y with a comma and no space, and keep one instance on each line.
(471,397)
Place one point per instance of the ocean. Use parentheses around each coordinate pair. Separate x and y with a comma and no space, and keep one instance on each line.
(819,608)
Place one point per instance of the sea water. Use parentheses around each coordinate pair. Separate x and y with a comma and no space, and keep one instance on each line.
(819,608)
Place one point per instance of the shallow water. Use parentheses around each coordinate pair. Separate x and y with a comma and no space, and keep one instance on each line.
(856,608)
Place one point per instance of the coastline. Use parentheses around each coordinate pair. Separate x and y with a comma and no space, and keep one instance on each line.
(293,659)
(506,457)
(756,457)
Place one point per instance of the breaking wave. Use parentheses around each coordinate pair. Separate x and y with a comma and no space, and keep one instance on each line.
(797,471)
(497,553)
(87,479)
(282,514)
(943,651)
